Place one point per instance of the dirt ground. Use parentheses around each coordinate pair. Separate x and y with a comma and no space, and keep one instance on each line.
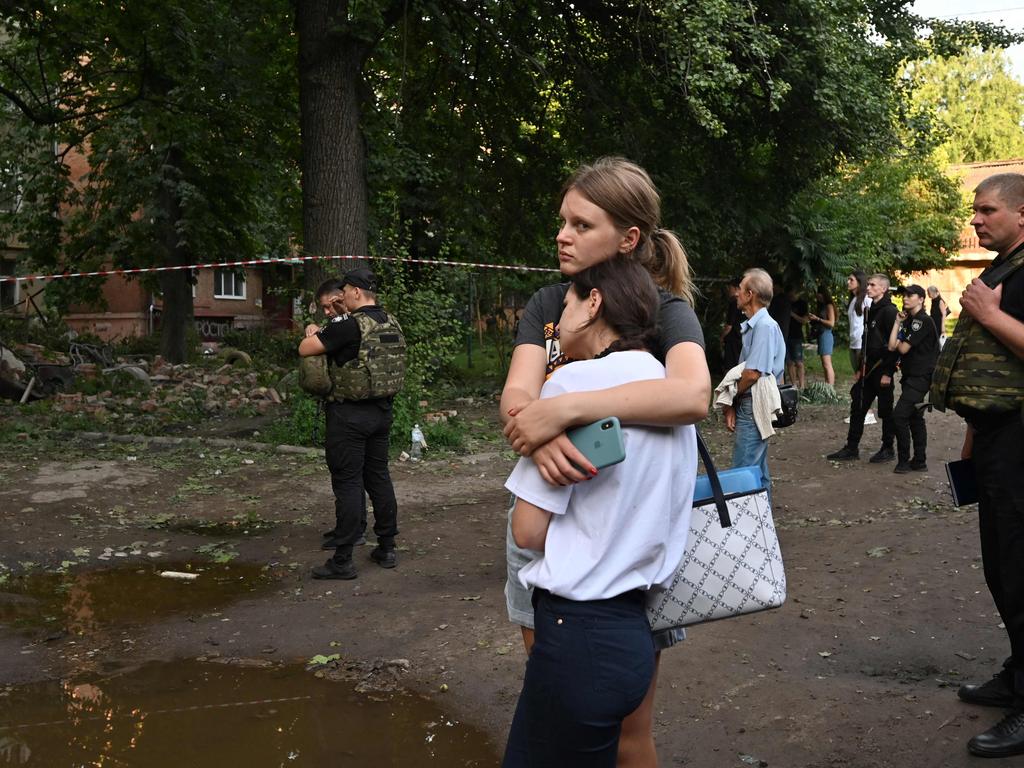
(887,611)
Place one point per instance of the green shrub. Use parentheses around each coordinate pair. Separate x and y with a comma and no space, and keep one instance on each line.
(449,435)
(138,346)
(406,412)
(297,427)
(18,329)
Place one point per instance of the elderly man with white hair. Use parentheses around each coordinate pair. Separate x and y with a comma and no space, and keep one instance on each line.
(763,354)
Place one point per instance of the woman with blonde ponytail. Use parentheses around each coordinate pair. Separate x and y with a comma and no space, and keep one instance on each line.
(609,209)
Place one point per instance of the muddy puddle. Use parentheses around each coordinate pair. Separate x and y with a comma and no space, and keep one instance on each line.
(82,603)
(201,714)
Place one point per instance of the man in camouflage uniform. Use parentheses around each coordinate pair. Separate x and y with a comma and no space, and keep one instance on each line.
(980,375)
(363,345)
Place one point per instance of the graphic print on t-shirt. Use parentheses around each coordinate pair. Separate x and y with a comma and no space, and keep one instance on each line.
(554,351)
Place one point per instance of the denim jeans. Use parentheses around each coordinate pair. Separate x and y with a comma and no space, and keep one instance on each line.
(750,450)
(590,667)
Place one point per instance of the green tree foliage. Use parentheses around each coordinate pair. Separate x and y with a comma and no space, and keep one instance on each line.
(975,104)
(884,215)
(185,112)
(446,125)
(744,113)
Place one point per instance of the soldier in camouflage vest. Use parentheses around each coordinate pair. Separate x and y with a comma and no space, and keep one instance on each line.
(980,375)
(366,351)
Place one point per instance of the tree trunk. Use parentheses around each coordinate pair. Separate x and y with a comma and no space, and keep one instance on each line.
(334,195)
(175,286)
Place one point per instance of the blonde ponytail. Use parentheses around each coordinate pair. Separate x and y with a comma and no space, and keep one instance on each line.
(626,193)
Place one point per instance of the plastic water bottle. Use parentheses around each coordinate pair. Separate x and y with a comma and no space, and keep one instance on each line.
(418,441)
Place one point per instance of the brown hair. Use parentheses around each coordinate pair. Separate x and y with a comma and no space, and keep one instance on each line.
(1008,187)
(629,301)
(626,193)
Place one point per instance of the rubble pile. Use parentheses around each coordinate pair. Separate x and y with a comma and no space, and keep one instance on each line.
(134,386)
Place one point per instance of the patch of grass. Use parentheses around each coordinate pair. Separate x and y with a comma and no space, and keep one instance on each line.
(218,551)
(446,435)
(192,486)
(169,460)
(297,425)
(483,367)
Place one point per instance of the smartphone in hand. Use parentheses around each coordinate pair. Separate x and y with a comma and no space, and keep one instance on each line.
(601,442)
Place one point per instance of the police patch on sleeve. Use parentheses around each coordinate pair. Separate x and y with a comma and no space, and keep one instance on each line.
(915,325)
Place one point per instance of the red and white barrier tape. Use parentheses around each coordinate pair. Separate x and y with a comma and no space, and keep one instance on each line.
(290,260)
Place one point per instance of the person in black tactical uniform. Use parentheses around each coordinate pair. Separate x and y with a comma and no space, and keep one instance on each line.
(875,377)
(918,345)
(366,351)
(980,375)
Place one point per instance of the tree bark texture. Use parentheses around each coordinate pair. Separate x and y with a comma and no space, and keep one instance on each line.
(334,194)
(175,286)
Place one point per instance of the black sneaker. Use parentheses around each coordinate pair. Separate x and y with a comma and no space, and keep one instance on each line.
(846,453)
(385,558)
(333,570)
(903,468)
(1004,739)
(919,465)
(884,454)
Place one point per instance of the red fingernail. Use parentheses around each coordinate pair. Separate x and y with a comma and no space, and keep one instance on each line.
(593,472)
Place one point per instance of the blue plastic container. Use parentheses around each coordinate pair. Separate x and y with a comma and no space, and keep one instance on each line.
(734,481)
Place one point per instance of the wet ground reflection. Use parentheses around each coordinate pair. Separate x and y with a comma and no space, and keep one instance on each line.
(88,601)
(203,714)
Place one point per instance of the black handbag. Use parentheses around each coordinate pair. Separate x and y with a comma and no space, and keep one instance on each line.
(789,396)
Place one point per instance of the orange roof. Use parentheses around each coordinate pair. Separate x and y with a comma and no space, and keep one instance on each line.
(975,173)
(972,174)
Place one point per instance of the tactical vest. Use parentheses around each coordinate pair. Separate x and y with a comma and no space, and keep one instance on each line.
(975,370)
(378,370)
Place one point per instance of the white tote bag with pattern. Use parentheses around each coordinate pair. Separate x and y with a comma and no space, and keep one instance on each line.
(732,564)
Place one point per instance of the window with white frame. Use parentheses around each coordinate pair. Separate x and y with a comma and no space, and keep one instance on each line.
(228,284)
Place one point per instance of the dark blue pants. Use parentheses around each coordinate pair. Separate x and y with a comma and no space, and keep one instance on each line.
(591,665)
(357,456)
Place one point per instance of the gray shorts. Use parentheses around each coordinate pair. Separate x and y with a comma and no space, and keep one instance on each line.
(519,599)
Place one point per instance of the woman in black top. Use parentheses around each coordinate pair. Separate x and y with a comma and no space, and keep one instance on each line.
(939,311)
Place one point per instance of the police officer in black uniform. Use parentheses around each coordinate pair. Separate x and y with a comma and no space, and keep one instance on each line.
(875,378)
(357,434)
(918,345)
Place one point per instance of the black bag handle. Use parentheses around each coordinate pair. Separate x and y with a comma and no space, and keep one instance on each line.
(716,484)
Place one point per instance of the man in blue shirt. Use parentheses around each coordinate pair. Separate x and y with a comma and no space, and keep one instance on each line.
(763,354)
